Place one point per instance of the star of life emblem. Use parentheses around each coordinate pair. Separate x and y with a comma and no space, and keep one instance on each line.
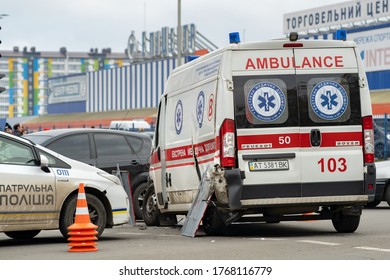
(200,108)
(178,117)
(266,101)
(329,100)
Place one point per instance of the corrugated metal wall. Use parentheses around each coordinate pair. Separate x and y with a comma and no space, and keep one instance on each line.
(130,87)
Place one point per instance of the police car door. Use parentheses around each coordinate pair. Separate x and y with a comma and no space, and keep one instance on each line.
(330,121)
(27,193)
(267,123)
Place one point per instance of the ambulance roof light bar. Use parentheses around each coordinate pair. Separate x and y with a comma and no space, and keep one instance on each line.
(341,34)
(234,38)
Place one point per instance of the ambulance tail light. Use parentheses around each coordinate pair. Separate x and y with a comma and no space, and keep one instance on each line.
(368,134)
(227,144)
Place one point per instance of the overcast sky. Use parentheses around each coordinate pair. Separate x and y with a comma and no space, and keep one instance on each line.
(80,25)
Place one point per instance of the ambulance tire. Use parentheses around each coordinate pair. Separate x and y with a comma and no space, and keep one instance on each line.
(138,197)
(150,212)
(212,223)
(27,234)
(373,204)
(97,213)
(387,194)
(345,223)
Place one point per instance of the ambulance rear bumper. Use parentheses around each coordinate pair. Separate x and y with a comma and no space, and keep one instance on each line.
(318,200)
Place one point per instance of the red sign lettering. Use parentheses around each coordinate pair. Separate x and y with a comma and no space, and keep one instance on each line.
(289,62)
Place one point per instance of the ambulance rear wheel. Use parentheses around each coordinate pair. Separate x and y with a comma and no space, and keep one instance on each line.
(387,194)
(150,211)
(212,223)
(27,234)
(345,223)
(97,213)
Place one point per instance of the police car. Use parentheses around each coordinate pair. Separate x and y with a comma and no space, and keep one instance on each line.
(38,191)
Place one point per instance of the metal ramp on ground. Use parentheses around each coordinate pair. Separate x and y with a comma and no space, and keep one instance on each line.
(125,180)
(198,207)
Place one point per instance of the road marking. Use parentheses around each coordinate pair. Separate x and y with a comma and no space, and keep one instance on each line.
(267,239)
(149,234)
(319,242)
(373,249)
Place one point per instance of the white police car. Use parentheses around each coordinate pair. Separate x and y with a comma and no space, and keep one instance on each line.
(38,190)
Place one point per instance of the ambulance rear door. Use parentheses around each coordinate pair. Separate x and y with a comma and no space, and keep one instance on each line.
(267,123)
(330,121)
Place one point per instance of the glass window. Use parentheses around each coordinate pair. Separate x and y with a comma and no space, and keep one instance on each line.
(265,101)
(73,146)
(135,143)
(329,99)
(12,152)
(53,161)
(111,145)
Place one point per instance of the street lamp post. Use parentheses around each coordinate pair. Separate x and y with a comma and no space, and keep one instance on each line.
(179,33)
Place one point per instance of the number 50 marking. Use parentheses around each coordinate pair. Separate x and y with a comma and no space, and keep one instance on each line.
(333,164)
(284,140)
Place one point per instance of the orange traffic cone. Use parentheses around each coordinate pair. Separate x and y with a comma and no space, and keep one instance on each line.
(82,232)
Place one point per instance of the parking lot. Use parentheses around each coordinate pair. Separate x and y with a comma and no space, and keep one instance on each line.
(314,240)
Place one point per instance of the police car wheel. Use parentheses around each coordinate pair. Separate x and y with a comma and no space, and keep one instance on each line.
(345,223)
(150,212)
(97,213)
(138,197)
(212,223)
(27,234)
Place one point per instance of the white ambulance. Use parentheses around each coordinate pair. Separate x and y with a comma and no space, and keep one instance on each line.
(285,127)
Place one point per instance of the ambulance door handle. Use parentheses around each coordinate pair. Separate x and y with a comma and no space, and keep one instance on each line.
(315,137)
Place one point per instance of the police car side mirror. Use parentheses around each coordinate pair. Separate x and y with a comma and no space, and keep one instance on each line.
(45,164)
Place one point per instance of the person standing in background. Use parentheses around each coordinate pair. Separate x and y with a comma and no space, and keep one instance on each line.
(8,128)
(18,129)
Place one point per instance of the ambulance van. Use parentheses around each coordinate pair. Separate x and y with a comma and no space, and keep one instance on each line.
(284,128)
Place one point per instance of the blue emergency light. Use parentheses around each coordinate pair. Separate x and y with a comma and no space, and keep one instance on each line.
(341,34)
(234,38)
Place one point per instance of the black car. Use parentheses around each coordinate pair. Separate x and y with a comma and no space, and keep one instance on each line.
(106,149)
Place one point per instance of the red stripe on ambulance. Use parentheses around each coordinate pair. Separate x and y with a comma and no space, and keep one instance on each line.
(296,140)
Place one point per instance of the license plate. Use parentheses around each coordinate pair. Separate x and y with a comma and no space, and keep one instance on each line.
(268,165)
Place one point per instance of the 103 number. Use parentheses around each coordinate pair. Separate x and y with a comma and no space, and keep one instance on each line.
(333,164)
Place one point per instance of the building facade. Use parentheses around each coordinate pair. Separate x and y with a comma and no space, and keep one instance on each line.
(27,72)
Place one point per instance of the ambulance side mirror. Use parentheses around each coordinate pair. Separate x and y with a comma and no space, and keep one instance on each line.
(45,164)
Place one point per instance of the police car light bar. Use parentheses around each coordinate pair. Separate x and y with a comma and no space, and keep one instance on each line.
(341,34)
(234,38)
